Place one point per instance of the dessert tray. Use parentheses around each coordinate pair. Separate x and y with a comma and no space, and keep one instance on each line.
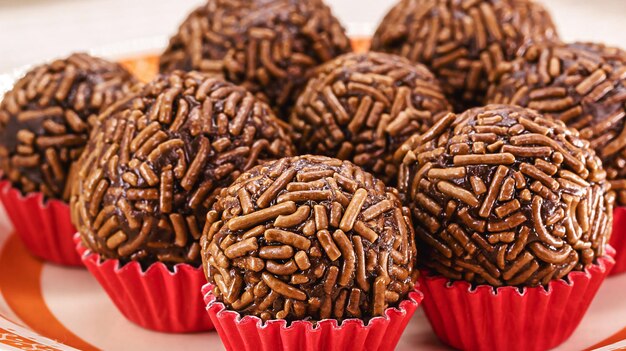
(49,307)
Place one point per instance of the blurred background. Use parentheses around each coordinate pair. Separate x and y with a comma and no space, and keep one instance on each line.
(32,31)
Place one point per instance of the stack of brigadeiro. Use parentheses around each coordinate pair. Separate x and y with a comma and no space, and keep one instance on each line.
(471,160)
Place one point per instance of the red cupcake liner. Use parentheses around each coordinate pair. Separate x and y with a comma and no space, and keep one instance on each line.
(43,225)
(618,240)
(482,318)
(157,298)
(251,334)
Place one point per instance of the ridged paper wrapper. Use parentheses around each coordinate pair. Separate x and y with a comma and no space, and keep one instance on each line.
(43,225)
(250,333)
(618,240)
(510,318)
(156,298)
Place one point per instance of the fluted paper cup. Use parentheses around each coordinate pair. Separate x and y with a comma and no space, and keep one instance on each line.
(618,240)
(157,298)
(250,333)
(43,225)
(510,318)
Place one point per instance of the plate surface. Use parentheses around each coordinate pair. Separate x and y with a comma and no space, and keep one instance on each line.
(41,302)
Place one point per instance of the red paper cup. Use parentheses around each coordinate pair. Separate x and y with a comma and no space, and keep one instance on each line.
(251,334)
(618,239)
(484,318)
(157,298)
(44,226)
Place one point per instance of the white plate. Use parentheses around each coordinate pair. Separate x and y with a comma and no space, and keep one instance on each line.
(70,305)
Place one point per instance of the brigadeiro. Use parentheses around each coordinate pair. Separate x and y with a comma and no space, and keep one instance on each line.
(150,173)
(268,46)
(511,209)
(45,120)
(361,107)
(309,251)
(583,85)
(462,41)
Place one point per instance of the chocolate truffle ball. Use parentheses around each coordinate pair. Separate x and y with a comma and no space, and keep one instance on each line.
(504,196)
(309,238)
(154,166)
(462,41)
(583,85)
(268,46)
(46,118)
(361,107)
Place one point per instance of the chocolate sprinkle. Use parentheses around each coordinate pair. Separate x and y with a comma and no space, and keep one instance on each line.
(153,167)
(46,118)
(462,41)
(309,238)
(267,46)
(361,107)
(504,196)
(583,85)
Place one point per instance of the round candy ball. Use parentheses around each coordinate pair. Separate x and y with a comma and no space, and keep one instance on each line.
(268,46)
(462,41)
(361,107)
(504,196)
(583,85)
(153,167)
(309,237)
(46,117)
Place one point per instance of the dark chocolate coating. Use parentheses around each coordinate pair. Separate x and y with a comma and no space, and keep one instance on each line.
(582,84)
(361,107)
(267,46)
(504,196)
(309,238)
(46,117)
(462,41)
(154,165)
